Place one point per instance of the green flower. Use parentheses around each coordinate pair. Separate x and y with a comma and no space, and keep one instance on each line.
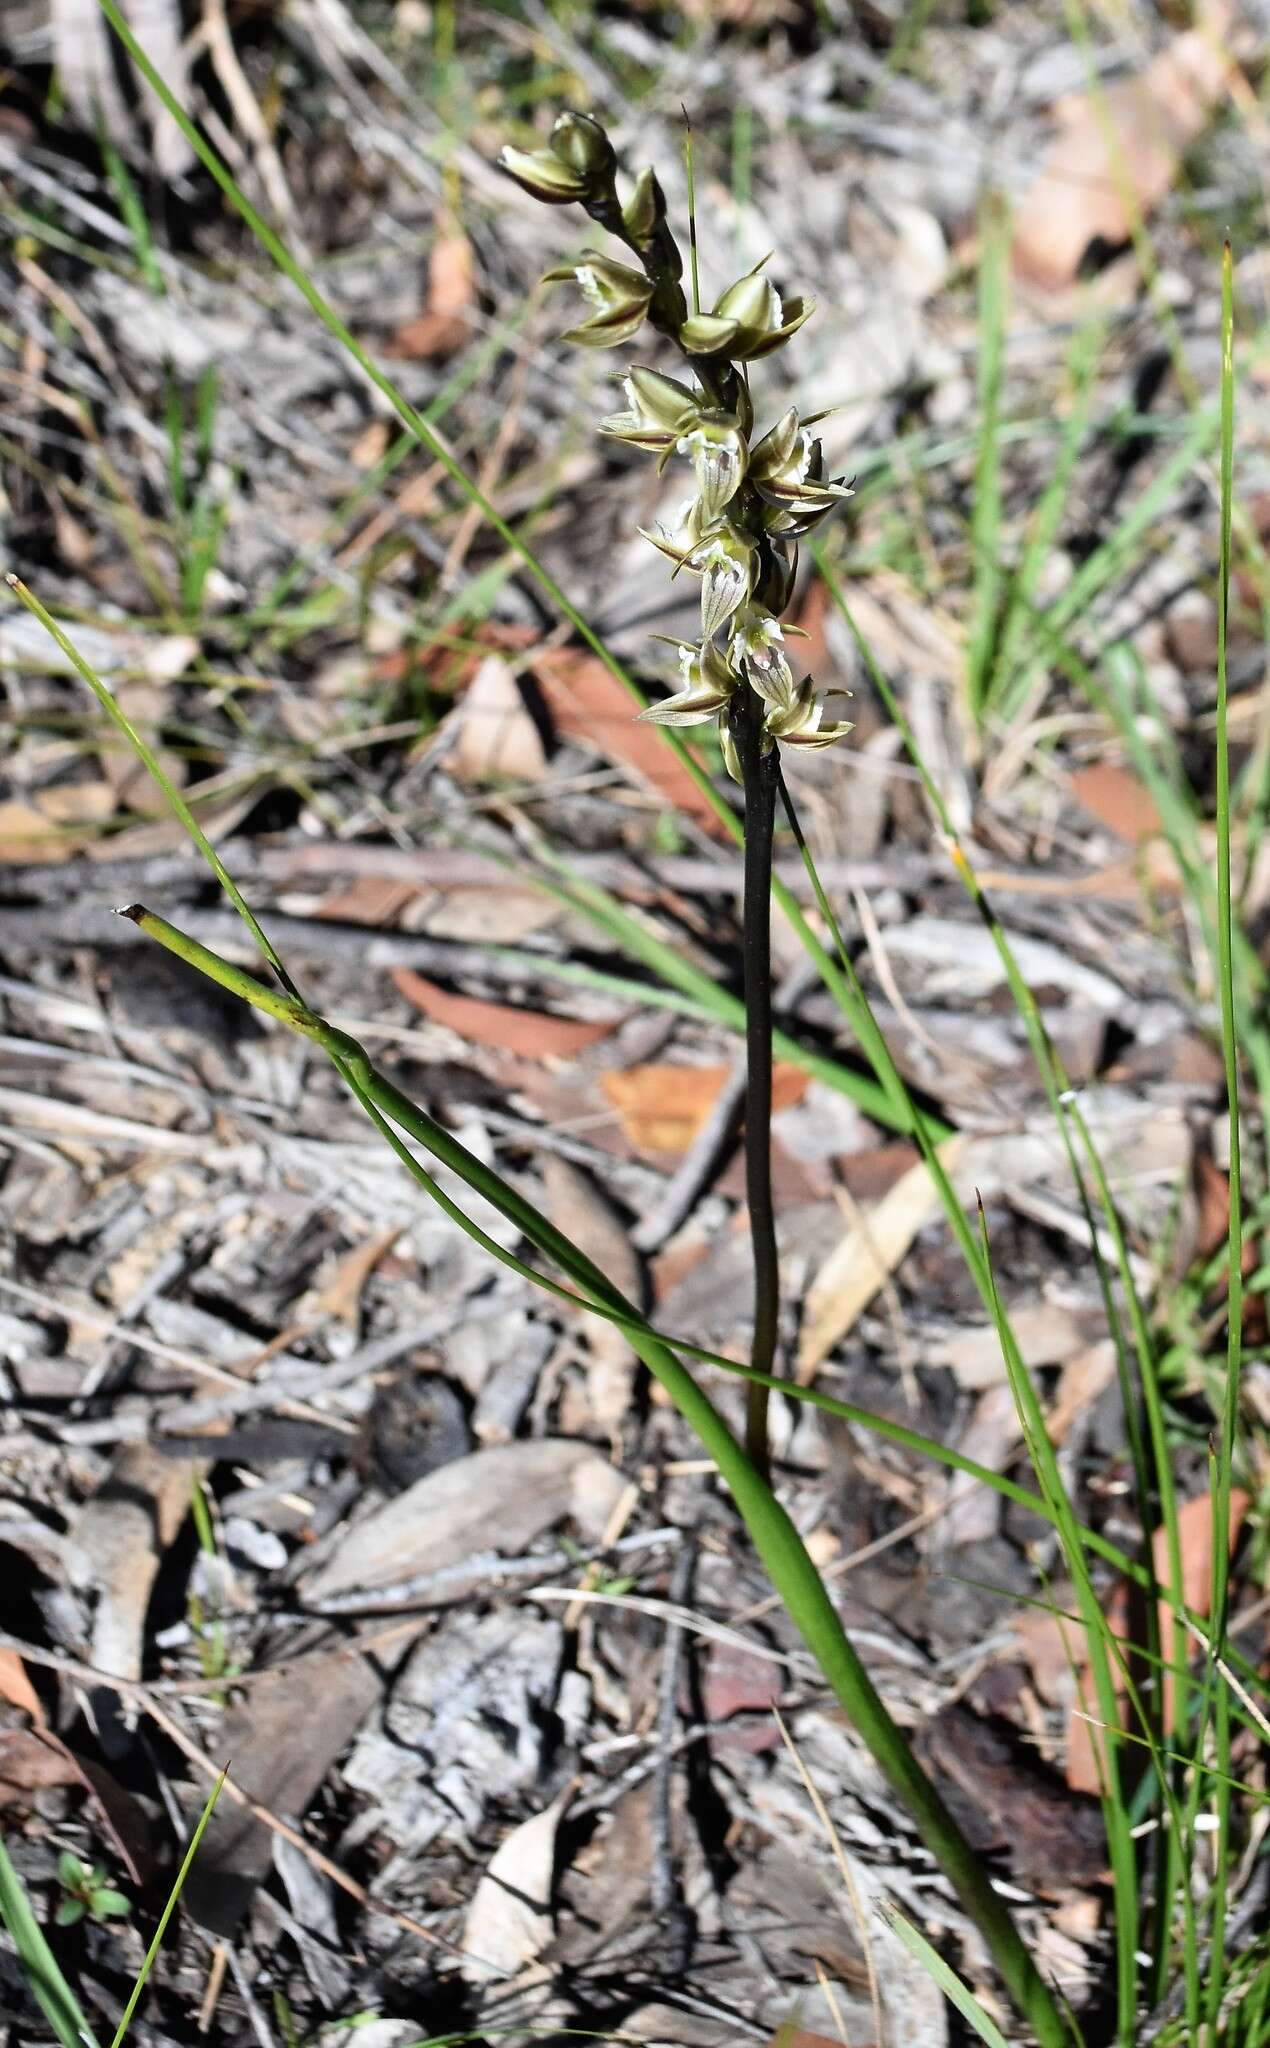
(799,725)
(679,540)
(724,560)
(716,448)
(657,409)
(705,685)
(748,321)
(577,164)
(619,295)
(756,649)
(787,470)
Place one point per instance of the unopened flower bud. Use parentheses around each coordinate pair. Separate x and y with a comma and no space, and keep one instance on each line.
(544,175)
(579,141)
(578,162)
(645,211)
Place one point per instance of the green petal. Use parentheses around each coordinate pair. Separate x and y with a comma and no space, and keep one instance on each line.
(704,334)
(803,310)
(543,175)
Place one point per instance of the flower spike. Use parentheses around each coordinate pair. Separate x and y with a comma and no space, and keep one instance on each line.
(752,500)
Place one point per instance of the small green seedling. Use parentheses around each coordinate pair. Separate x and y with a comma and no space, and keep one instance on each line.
(594,1577)
(85,1891)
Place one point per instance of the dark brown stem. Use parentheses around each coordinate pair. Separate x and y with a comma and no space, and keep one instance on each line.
(761,777)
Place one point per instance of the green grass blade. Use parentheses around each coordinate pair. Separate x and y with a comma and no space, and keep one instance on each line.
(39,1965)
(178,1887)
(1104,1656)
(136,219)
(1225,1458)
(941,1973)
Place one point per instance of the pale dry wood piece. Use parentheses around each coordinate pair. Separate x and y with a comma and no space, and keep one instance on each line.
(1049,1333)
(1084,1378)
(322,1378)
(866,1258)
(509,1922)
(496,737)
(76,1120)
(82,44)
(85,67)
(699,1162)
(958,960)
(220,48)
(116,1544)
(1141,1143)
(498,1498)
(990,1436)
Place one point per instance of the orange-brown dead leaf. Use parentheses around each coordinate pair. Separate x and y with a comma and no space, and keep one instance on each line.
(1117,152)
(341,1294)
(1118,800)
(1212,1195)
(1195,1529)
(662,1108)
(444,325)
(34,1759)
(533,1034)
(16,1687)
(28,835)
(368,899)
(587,703)
(449,669)
(798,2037)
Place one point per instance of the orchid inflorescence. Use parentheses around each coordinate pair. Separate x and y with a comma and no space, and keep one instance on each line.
(753,500)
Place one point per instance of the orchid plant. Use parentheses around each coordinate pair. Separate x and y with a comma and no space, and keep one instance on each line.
(738,532)
(752,501)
